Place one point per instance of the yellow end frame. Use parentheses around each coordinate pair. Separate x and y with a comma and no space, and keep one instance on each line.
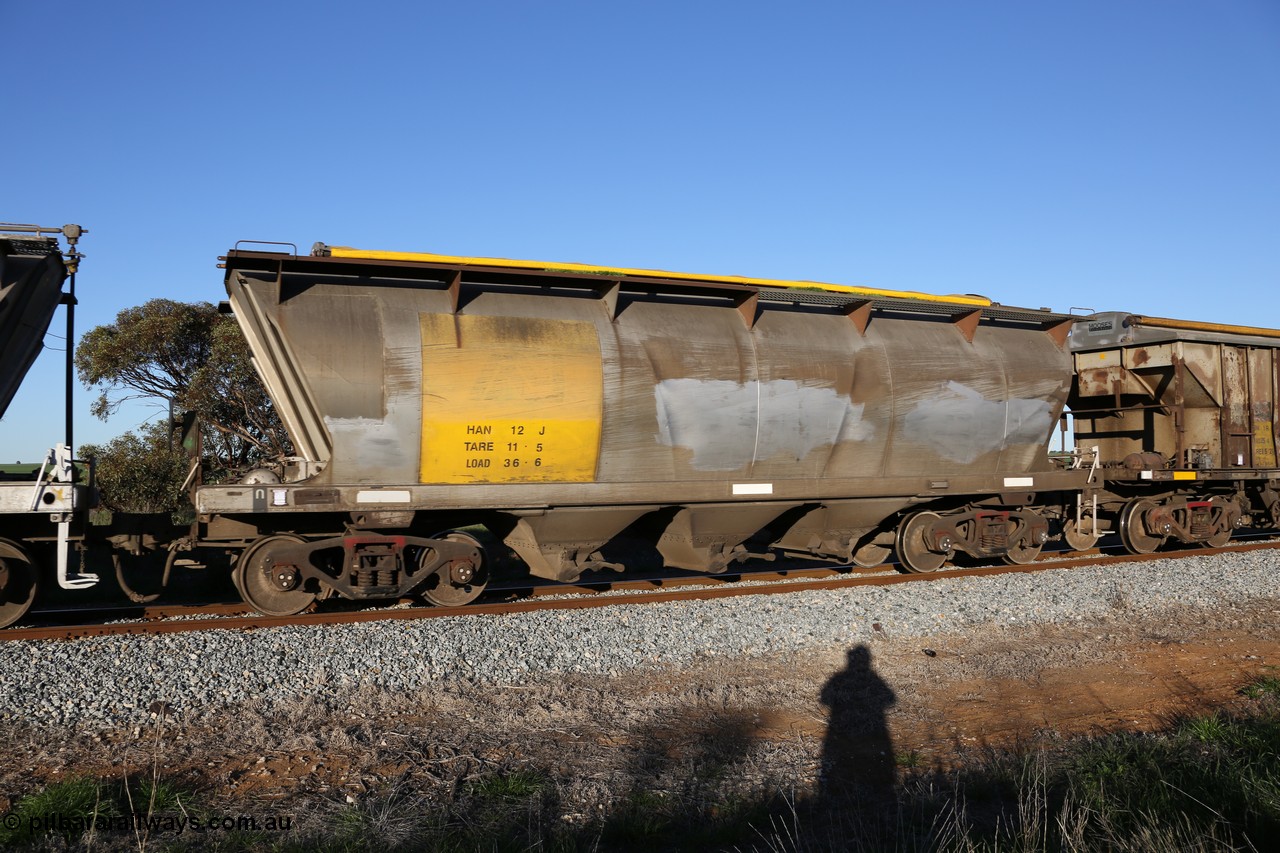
(455,260)
(1194,326)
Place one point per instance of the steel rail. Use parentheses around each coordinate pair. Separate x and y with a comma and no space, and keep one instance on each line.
(596,598)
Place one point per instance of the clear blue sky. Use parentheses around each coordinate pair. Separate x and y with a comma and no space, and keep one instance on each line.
(1109,155)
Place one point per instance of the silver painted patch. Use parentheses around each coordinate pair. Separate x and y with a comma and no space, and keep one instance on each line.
(378,444)
(729,425)
(753,488)
(961,425)
(384,496)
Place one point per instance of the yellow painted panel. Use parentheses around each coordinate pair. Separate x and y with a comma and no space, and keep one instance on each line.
(455,260)
(1184,475)
(1264,447)
(509,399)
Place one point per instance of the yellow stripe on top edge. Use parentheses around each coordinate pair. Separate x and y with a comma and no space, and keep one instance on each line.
(453,260)
(1194,326)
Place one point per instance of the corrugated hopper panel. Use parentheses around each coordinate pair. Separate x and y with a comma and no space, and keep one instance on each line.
(981,407)
(820,383)
(692,401)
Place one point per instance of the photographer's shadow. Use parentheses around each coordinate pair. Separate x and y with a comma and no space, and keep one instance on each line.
(858,764)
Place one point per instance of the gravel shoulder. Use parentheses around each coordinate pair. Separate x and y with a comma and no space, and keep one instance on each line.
(648,698)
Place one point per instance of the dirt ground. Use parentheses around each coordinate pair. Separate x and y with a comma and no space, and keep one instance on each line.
(775,723)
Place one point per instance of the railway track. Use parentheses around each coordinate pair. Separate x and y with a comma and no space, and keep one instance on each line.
(555,596)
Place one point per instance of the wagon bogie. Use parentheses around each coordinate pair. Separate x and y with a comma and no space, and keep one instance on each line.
(1147,523)
(281,574)
(927,539)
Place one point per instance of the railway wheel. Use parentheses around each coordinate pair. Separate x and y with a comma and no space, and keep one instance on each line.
(1218,540)
(461,581)
(268,589)
(1133,532)
(1026,551)
(1022,554)
(869,554)
(18,582)
(914,547)
(1222,537)
(1079,537)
